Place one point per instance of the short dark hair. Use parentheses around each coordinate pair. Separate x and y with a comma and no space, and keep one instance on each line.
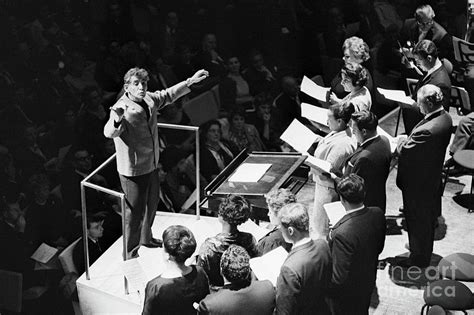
(234,209)
(356,73)
(95,218)
(179,242)
(204,128)
(351,188)
(425,48)
(140,73)
(278,198)
(365,120)
(235,264)
(342,111)
(237,112)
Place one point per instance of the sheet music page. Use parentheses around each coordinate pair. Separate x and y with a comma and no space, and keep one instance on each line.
(325,166)
(314,90)
(251,227)
(267,267)
(249,172)
(396,95)
(299,136)
(44,253)
(335,211)
(315,113)
(135,275)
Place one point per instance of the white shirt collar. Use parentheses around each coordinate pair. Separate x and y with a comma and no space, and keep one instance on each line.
(354,210)
(436,66)
(432,113)
(369,140)
(302,242)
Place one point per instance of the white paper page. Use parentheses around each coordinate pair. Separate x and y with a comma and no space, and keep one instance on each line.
(135,275)
(251,227)
(335,211)
(249,172)
(299,136)
(396,95)
(44,253)
(315,113)
(325,166)
(393,140)
(314,90)
(267,267)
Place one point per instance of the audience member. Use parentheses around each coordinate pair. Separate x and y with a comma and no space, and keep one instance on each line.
(243,135)
(95,231)
(287,103)
(208,57)
(354,80)
(356,241)
(276,199)
(234,91)
(371,160)
(259,77)
(216,153)
(463,138)
(268,125)
(233,211)
(334,148)
(419,174)
(305,274)
(179,285)
(426,57)
(239,295)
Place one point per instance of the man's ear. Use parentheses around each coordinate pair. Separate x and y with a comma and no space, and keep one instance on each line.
(125,87)
(429,58)
(291,231)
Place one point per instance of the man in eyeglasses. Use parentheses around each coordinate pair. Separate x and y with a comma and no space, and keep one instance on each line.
(423,26)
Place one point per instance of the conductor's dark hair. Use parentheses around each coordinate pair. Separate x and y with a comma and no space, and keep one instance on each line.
(140,73)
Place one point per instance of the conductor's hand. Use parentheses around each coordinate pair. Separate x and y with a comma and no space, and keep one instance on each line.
(197,77)
(117,112)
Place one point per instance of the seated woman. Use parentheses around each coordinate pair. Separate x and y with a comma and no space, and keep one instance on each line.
(276,199)
(354,79)
(233,211)
(245,136)
(239,295)
(334,148)
(355,51)
(234,91)
(216,153)
(179,286)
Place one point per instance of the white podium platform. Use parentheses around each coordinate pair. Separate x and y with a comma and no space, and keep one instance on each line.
(104,293)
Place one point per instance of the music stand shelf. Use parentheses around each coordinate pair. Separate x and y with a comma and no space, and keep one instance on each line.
(286,171)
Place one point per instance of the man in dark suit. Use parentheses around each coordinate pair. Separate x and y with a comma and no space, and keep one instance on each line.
(306,272)
(356,242)
(94,232)
(287,103)
(426,57)
(371,160)
(420,163)
(239,295)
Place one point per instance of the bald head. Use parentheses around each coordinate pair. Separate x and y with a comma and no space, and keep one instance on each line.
(289,85)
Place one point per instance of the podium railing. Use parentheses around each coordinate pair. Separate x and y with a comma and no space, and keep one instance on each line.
(86,183)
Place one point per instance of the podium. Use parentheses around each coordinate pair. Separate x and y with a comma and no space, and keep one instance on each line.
(286,171)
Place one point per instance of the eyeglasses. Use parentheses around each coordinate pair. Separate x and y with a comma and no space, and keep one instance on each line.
(429,23)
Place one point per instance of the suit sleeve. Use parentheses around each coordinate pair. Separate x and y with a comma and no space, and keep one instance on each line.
(361,167)
(342,256)
(111,129)
(415,143)
(169,95)
(287,290)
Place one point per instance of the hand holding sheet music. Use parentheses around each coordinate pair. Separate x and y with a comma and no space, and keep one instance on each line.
(314,90)
(299,136)
(397,96)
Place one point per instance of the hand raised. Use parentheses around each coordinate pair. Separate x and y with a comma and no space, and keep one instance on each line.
(197,77)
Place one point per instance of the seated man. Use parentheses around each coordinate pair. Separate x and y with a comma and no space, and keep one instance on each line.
(463,137)
(94,232)
(306,272)
(239,295)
